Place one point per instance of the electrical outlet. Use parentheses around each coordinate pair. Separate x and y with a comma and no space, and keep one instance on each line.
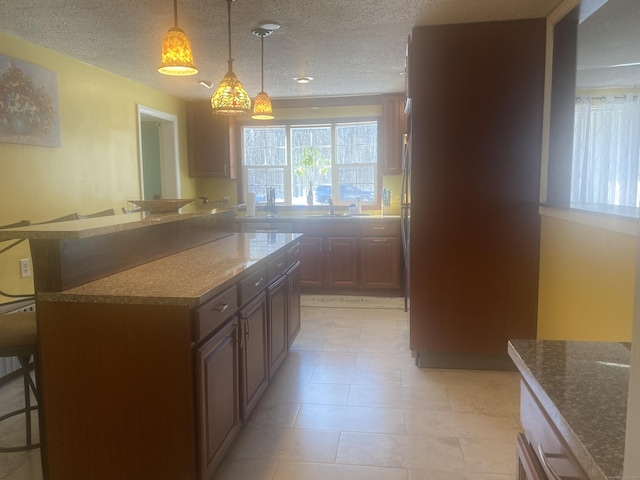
(25,268)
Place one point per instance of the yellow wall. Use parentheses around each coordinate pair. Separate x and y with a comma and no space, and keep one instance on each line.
(97,166)
(587,277)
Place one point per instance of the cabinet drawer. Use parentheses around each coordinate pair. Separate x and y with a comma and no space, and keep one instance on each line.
(215,312)
(277,267)
(252,284)
(293,254)
(549,446)
(378,229)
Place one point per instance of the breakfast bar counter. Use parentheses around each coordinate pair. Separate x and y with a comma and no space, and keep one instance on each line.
(156,338)
(573,407)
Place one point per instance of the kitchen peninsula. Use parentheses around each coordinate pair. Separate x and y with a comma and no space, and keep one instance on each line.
(157,336)
(573,408)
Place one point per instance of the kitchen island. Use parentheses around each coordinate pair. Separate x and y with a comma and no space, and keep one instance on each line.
(573,408)
(148,372)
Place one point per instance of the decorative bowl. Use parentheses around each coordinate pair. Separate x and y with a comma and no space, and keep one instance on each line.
(162,205)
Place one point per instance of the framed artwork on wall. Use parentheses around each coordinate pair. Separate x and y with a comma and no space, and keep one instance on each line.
(29,112)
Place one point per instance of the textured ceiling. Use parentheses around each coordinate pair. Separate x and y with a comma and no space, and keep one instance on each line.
(350,47)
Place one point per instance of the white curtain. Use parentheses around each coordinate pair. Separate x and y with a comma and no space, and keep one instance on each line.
(606,152)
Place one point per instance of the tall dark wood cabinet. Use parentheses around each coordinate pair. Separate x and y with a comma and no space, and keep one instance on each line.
(211,142)
(476,128)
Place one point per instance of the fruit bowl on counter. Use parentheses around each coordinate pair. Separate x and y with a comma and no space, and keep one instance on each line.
(162,205)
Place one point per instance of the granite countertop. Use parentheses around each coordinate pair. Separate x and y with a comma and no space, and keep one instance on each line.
(315,215)
(189,277)
(90,227)
(583,386)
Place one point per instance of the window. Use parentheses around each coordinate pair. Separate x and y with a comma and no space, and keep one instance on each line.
(606,152)
(335,161)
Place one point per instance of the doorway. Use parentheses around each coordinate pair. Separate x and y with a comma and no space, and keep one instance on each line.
(158,154)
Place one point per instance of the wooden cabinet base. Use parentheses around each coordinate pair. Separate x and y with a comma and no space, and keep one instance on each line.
(123,422)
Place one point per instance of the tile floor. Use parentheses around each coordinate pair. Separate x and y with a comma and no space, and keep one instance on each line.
(349,404)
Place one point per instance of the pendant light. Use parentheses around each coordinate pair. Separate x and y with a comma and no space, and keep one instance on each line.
(262,104)
(230,98)
(177,58)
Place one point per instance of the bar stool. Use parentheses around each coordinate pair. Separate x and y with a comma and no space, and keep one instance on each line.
(19,338)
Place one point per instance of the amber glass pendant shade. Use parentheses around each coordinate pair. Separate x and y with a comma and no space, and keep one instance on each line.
(262,107)
(177,58)
(230,98)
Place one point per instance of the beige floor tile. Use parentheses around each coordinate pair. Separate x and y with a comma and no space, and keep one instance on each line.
(319,471)
(357,376)
(308,341)
(276,443)
(319,358)
(294,372)
(448,475)
(276,414)
(380,341)
(489,455)
(350,419)
(461,424)
(282,392)
(246,469)
(400,451)
(397,397)
(385,360)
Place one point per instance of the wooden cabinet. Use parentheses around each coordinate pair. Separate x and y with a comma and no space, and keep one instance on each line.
(218,395)
(211,142)
(277,322)
(312,261)
(342,262)
(293,299)
(344,254)
(393,127)
(253,352)
(379,262)
(475,189)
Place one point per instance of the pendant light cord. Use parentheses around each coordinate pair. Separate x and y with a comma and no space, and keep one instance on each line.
(229,25)
(262,63)
(175,13)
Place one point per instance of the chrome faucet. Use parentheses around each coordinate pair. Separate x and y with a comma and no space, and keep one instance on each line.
(331,212)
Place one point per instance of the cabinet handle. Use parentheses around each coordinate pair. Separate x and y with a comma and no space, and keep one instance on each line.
(546,466)
(257,284)
(221,307)
(242,322)
(380,240)
(379,228)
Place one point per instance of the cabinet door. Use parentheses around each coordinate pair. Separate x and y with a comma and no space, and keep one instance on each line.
(312,262)
(293,314)
(211,142)
(379,262)
(218,373)
(277,323)
(394,125)
(342,262)
(253,352)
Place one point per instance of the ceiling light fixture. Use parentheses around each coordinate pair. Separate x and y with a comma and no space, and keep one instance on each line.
(303,80)
(262,109)
(230,98)
(177,58)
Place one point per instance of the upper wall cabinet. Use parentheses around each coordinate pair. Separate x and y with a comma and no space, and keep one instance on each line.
(211,141)
(394,125)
